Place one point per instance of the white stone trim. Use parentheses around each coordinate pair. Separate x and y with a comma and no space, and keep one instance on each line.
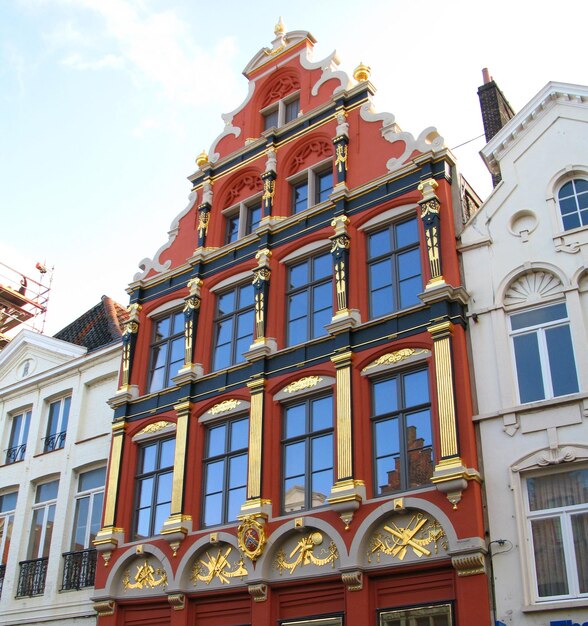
(233,280)
(165,307)
(310,248)
(388,216)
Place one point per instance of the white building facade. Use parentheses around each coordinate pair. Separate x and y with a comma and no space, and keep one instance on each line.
(525,258)
(55,433)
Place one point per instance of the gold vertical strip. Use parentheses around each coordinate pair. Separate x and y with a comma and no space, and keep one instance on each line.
(114,473)
(445,397)
(255,439)
(344,449)
(183,411)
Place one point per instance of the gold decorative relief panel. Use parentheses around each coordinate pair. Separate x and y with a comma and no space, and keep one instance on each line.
(404,537)
(145,575)
(304,554)
(219,565)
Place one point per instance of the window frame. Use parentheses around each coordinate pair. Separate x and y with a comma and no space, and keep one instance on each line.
(309,287)
(307,437)
(543,351)
(404,613)
(391,227)
(18,445)
(562,513)
(280,106)
(226,457)
(48,507)
(401,413)
(310,178)
(56,440)
(234,316)
(242,211)
(171,315)
(571,179)
(6,525)
(154,474)
(91,494)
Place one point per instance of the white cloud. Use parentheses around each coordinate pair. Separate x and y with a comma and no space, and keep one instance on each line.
(109,61)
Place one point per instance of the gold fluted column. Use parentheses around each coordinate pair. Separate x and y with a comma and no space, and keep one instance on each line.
(255,506)
(450,475)
(177,525)
(346,493)
(108,536)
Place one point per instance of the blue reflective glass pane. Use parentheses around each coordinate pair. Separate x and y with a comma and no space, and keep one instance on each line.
(385,396)
(584,217)
(572,220)
(319,321)
(80,523)
(159,356)
(162,512)
(324,186)
(222,357)
(566,190)
(226,303)
(322,296)
(162,327)
(143,523)
(538,316)
(381,302)
(298,305)
(581,185)
(409,264)
(96,517)
(583,201)
(300,198)
(65,414)
(239,435)
(145,492)
(164,487)
(299,275)
(386,437)
(246,296)
(177,350)
(237,471)
(388,474)
(92,479)
(157,381)
(322,453)
(561,360)
(54,409)
(232,229)
(418,427)
(322,266)
(215,475)
(148,459)
(224,331)
(297,331)
(294,459)
(8,502)
(245,324)
(292,109)
(216,441)
(213,508)
(322,482)
(409,292)
(528,368)
(379,243)
(253,217)
(416,388)
(407,233)
(322,413)
(168,448)
(294,493)
(295,421)
(236,498)
(241,346)
(381,274)
(568,206)
(178,323)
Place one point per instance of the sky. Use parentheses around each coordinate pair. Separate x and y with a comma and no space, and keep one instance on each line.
(104,105)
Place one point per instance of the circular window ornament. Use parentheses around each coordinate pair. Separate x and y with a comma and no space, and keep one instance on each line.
(523,223)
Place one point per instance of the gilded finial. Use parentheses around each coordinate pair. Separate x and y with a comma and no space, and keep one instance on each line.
(279,28)
(362,72)
(202,159)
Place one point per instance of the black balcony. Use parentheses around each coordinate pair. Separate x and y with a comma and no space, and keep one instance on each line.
(31,581)
(15,454)
(79,569)
(54,442)
(2,572)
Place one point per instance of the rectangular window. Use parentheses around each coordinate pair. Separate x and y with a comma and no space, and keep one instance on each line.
(225,471)
(57,424)
(394,268)
(402,434)
(544,354)
(31,581)
(167,350)
(309,298)
(557,512)
(437,615)
(281,112)
(233,326)
(317,621)
(153,487)
(242,220)
(307,445)
(271,119)
(312,187)
(19,433)
(7,506)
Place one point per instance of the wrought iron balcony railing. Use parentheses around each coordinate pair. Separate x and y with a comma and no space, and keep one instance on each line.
(31,580)
(79,569)
(54,442)
(16,453)
(2,572)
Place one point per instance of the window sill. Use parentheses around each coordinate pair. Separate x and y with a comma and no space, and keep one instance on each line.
(554,605)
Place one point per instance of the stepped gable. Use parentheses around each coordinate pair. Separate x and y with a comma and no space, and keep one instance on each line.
(97,327)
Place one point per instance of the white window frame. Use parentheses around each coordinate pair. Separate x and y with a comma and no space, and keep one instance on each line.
(7,518)
(21,439)
(60,419)
(564,514)
(310,176)
(46,506)
(280,107)
(91,494)
(241,209)
(539,330)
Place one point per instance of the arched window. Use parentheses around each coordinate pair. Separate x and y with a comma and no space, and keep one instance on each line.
(573,203)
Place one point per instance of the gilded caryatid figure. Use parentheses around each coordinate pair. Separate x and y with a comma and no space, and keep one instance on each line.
(430,216)
(261,277)
(340,252)
(341,144)
(204,212)
(191,308)
(129,336)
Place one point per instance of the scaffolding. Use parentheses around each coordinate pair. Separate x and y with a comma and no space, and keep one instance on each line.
(23,300)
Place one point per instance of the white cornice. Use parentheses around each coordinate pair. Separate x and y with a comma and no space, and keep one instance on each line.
(553,93)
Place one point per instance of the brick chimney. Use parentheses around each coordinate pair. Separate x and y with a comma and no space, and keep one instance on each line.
(496,111)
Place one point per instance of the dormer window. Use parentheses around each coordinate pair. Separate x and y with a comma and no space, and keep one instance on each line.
(281,112)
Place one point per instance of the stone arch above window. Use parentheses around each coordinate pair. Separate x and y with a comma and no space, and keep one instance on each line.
(246,185)
(280,87)
(531,288)
(316,149)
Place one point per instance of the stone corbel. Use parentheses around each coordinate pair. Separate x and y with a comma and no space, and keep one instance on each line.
(258,592)
(451,478)
(106,541)
(175,529)
(104,608)
(177,601)
(345,498)
(353,580)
